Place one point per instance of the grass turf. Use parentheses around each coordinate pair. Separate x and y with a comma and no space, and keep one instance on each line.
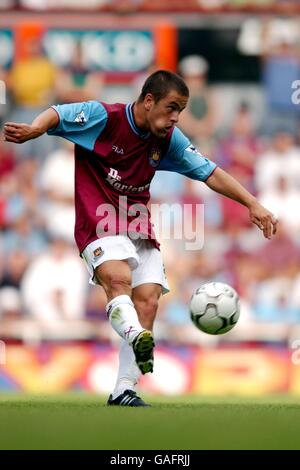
(80,421)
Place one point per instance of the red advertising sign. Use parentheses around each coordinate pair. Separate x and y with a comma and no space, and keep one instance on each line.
(232,370)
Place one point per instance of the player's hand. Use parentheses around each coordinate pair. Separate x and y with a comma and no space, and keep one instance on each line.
(19,132)
(264,219)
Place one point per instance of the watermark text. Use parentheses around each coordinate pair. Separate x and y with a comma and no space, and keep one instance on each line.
(296,93)
(170,221)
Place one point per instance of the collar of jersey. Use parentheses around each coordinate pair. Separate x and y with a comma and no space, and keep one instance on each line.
(136,130)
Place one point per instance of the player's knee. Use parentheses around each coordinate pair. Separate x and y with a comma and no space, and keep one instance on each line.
(115,284)
(115,278)
(147,309)
(119,285)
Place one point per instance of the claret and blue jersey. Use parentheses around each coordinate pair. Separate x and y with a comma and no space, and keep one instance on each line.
(114,158)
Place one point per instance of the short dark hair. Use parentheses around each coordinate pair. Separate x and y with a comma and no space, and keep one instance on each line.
(161,82)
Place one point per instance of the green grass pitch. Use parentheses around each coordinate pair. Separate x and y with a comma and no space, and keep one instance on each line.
(80,421)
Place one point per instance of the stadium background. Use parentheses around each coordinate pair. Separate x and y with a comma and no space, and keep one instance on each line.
(53,327)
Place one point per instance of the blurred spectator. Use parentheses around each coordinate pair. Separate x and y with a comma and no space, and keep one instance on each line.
(198,120)
(273,302)
(127,6)
(4,95)
(281,255)
(23,236)
(123,6)
(14,266)
(192,205)
(235,218)
(281,66)
(284,201)
(63,4)
(22,195)
(54,286)
(32,79)
(238,151)
(168,184)
(294,293)
(281,160)
(57,182)
(32,82)
(76,82)
(10,304)
(8,4)
(7,159)
(244,271)
(2,210)
(211,201)
(95,306)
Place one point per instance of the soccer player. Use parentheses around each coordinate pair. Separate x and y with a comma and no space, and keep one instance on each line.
(118,149)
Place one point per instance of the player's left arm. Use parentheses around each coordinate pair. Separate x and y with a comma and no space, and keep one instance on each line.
(184,158)
(225,184)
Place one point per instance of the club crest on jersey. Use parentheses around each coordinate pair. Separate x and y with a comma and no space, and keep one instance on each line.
(98,252)
(155,157)
(80,118)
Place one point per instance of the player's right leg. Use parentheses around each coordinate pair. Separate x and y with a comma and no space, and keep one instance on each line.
(115,278)
(110,261)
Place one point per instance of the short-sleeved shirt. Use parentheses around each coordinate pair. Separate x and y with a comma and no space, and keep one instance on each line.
(114,164)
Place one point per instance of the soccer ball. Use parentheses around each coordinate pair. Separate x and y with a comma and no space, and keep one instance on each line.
(215,308)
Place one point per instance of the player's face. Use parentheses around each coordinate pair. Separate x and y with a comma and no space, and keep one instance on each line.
(164,114)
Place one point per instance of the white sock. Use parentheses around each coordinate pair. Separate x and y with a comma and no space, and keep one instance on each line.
(123,318)
(129,373)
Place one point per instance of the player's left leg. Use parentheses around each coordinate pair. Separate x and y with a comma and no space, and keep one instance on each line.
(145,298)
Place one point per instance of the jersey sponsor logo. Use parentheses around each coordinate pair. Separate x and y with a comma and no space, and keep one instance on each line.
(113,178)
(81,119)
(155,157)
(118,150)
(114,175)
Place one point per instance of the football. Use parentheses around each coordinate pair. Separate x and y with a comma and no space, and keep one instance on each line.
(215,308)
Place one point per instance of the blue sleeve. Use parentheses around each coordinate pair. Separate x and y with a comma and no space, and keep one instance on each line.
(184,158)
(80,123)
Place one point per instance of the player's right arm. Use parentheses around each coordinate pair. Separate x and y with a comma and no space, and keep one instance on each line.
(21,132)
(81,123)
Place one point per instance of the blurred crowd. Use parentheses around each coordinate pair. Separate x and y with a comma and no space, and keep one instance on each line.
(132,5)
(44,293)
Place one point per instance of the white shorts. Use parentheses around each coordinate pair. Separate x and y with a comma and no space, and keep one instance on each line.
(143,258)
